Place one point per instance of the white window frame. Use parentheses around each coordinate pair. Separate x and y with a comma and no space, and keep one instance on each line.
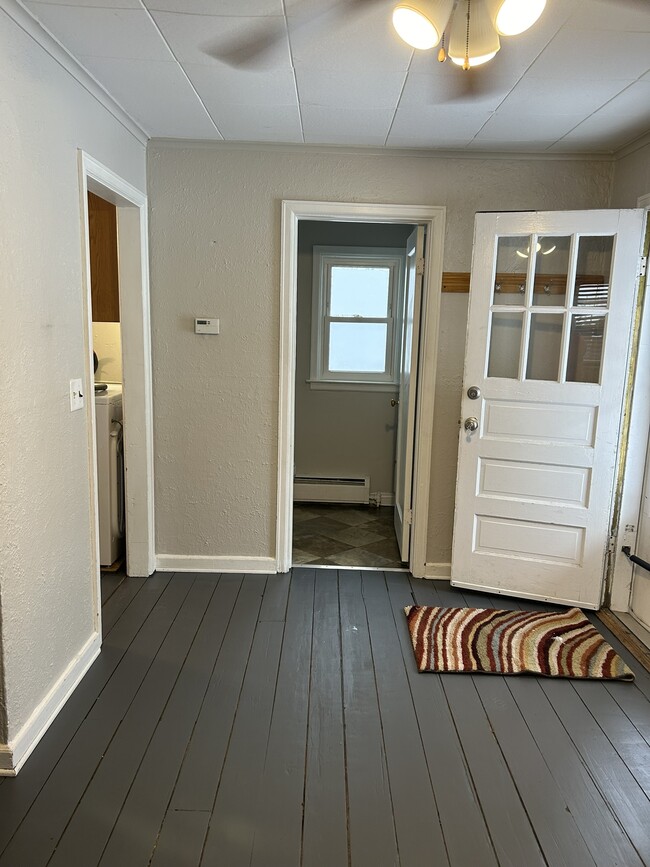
(328,257)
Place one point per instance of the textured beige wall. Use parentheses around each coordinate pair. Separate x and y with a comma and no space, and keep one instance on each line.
(46,581)
(215,250)
(631,178)
(341,432)
(107,344)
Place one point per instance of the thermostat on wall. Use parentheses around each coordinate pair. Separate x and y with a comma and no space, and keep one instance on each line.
(206,326)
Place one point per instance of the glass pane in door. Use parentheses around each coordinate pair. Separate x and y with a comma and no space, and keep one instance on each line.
(544,346)
(585,348)
(593,272)
(505,345)
(551,270)
(511,270)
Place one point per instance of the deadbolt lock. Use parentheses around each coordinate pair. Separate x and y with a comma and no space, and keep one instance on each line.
(473,392)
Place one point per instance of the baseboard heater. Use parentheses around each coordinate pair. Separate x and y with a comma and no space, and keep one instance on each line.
(331,489)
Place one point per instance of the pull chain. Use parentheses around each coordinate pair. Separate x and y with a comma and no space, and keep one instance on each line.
(466,60)
(442,54)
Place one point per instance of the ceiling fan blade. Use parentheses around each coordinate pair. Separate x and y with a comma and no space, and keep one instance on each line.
(252,49)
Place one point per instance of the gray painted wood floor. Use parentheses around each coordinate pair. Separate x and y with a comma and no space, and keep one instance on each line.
(280,721)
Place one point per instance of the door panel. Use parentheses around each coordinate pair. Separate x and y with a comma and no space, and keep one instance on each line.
(551,307)
(408,390)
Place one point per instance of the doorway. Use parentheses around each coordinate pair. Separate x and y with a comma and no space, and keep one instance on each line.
(350,287)
(133,282)
(384,219)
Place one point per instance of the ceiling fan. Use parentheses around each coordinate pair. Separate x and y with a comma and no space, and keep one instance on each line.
(468,31)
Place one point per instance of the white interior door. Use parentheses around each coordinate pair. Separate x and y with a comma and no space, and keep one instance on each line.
(551,307)
(408,390)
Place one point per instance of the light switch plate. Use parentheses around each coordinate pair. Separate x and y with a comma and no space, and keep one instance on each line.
(76,395)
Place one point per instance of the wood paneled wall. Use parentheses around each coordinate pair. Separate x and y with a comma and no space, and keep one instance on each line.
(102,226)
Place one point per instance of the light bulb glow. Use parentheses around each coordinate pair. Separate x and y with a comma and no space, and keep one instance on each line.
(474,61)
(415,28)
(516,16)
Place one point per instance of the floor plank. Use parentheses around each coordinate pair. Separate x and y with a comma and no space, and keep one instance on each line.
(370,808)
(325,832)
(91,825)
(278,824)
(281,722)
(134,837)
(417,822)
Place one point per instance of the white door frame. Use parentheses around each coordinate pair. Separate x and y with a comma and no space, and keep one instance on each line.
(620,570)
(133,270)
(433,218)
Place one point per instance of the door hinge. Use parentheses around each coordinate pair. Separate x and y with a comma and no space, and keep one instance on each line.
(419,267)
(408,518)
(643,264)
(611,544)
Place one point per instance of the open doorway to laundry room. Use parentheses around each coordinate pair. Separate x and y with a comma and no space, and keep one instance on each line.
(350,331)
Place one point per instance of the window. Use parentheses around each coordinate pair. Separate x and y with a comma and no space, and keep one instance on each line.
(356,321)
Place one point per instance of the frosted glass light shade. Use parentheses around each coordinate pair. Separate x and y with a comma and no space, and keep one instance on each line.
(421,23)
(511,17)
(483,38)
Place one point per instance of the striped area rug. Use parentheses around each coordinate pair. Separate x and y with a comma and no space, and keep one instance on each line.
(555,644)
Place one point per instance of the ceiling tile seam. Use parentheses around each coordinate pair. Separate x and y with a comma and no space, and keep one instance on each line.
(68,62)
(539,53)
(151,8)
(180,66)
(76,6)
(600,108)
(399,98)
(293,71)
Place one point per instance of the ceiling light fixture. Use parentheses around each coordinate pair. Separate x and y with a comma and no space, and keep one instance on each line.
(474,26)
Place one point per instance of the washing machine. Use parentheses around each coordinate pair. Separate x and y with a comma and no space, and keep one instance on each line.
(110,473)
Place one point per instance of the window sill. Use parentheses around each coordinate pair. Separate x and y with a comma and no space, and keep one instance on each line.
(347,385)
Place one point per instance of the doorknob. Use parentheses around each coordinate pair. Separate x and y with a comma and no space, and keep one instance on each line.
(471,424)
(394,401)
(473,392)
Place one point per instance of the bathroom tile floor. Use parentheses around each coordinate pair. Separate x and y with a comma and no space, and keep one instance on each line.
(336,535)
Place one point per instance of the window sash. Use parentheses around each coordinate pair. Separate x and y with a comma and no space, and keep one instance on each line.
(325,259)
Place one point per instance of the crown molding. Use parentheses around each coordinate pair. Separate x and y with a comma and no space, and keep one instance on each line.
(339,150)
(58,52)
(633,146)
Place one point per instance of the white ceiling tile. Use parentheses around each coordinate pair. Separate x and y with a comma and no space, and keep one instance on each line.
(218,84)
(593,55)
(543,127)
(485,93)
(361,140)
(416,139)
(321,120)
(361,88)
(90,31)
(156,94)
(619,122)
(510,145)
(107,4)
(453,122)
(258,43)
(600,15)
(539,95)
(365,38)
(244,8)
(259,123)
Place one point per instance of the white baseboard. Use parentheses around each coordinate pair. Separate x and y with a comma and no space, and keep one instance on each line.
(14,754)
(382,498)
(441,571)
(198,563)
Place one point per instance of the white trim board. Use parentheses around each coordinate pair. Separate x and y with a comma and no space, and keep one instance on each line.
(133,258)
(433,218)
(199,563)
(58,52)
(437,571)
(14,754)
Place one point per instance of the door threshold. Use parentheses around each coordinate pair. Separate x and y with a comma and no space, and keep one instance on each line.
(626,629)
(351,568)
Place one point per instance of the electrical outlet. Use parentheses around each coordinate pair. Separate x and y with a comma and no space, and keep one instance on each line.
(76,395)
